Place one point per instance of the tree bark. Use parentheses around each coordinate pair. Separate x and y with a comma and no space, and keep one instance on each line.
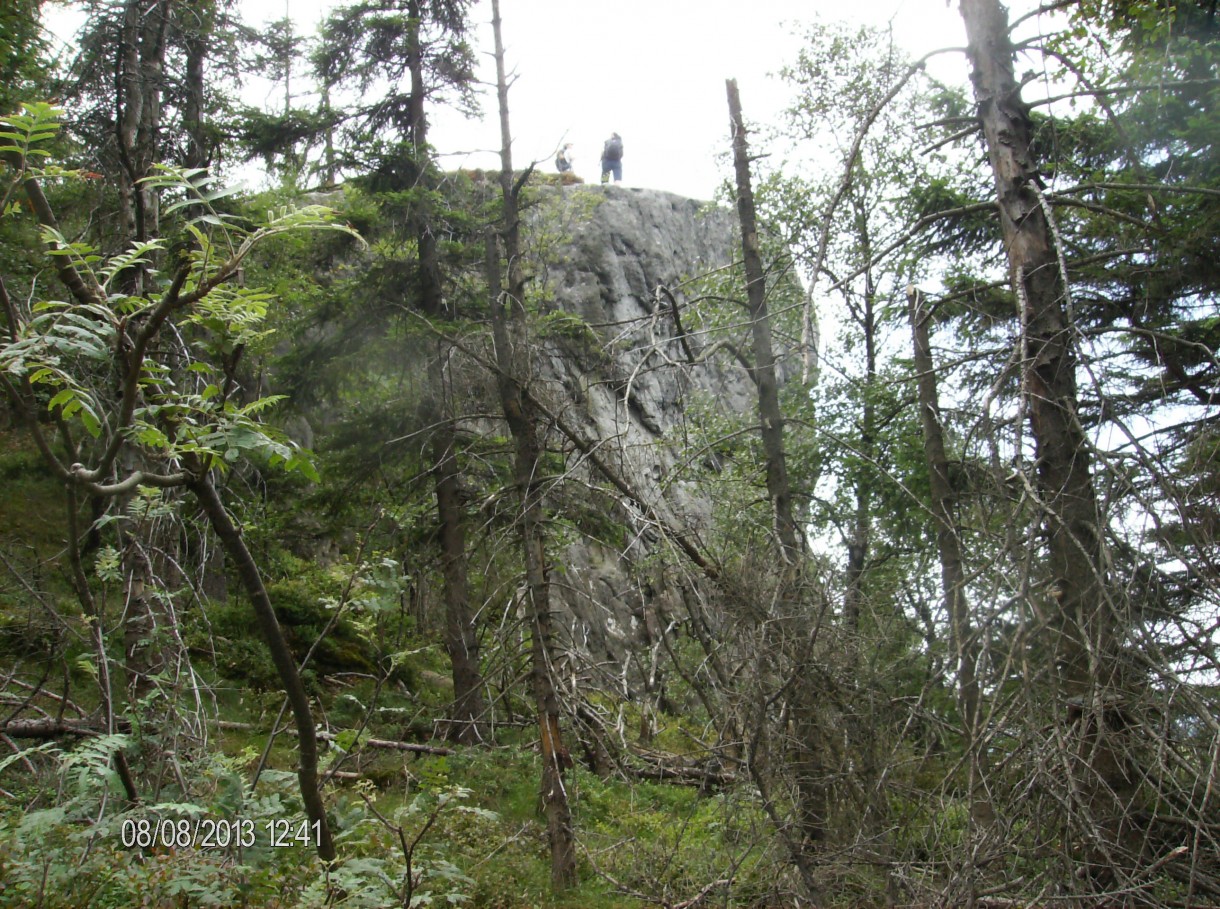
(97,634)
(285,664)
(807,760)
(144,640)
(1086,632)
(511,342)
(523,425)
(779,489)
(197,40)
(467,723)
(860,543)
(952,575)
(141,70)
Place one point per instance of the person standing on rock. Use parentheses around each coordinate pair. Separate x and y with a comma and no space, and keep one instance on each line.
(612,158)
(563,160)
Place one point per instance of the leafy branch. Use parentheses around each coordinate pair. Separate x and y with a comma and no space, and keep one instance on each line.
(60,361)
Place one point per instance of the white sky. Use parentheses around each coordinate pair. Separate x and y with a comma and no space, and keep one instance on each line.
(652,70)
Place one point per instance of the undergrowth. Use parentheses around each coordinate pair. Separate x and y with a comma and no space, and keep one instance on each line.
(462,828)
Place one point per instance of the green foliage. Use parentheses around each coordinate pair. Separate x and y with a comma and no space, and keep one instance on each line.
(402,854)
(65,855)
(435,842)
(250,294)
(78,852)
(62,352)
(393,54)
(566,325)
(21,52)
(27,132)
(348,618)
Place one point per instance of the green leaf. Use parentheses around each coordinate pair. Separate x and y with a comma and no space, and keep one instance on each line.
(90,421)
(346,739)
(85,664)
(67,402)
(23,132)
(139,254)
(24,754)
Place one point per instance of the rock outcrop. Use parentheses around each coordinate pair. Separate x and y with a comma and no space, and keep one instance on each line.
(628,268)
(626,343)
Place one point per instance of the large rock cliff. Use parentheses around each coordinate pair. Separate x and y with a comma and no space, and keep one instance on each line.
(626,342)
(625,267)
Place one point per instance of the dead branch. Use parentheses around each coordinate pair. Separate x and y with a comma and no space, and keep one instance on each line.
(52,728)
(330,737)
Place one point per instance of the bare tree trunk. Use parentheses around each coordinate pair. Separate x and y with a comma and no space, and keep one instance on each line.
(97,635)
(129,101)
(141,70)
(144,646)
(953,579)
(329,166)
(807,763)
(467,721)
(859,544)
(523,422)
(1084,624)
(511,342)
(285,664)
(771,417)
(196,39)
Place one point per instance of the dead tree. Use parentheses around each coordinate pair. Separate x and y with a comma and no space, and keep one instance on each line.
(952,575)
(785,625)
(762,371)
(523,418)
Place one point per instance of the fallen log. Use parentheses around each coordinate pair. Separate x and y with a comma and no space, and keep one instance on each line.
(398,746)
(47,728)
(52,728)
(330,737)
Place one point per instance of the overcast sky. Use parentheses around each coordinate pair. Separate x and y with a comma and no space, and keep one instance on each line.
(652,70)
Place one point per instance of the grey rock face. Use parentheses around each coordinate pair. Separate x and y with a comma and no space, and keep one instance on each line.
(611,275)
(623,265)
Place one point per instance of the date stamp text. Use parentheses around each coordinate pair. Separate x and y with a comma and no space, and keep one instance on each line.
(217,833)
